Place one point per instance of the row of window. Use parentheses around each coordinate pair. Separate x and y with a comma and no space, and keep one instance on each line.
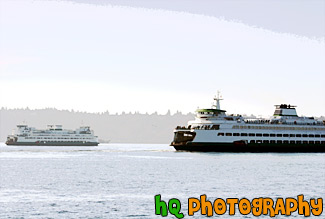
(53,138)
(206,113)
(60,135)
(62,141)
(287,142)
(271,135)
(276,127)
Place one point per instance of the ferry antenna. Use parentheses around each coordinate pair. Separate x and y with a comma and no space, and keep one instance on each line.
(217,99)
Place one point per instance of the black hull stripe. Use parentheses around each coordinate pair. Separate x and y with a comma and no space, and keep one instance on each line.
(251,147)
(52,144)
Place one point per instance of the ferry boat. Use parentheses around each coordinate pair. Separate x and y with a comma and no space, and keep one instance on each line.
(54,135)
(215,131)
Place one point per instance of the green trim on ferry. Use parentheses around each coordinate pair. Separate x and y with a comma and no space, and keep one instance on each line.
(284,115)
(210,110)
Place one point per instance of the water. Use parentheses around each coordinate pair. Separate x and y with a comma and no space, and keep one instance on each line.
(121,180)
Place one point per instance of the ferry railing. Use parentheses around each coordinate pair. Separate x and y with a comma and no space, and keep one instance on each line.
(202,127)
(283,123)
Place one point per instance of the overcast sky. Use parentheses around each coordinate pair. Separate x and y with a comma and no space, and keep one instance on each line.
(98,57)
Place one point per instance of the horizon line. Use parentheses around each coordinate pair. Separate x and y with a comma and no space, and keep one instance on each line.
(178,112)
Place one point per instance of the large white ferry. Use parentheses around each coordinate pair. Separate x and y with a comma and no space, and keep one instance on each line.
(285,131)
(54,135)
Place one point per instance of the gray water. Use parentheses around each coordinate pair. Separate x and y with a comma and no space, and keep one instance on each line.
(121,180)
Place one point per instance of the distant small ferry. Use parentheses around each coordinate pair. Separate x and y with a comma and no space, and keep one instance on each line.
(54,135)
(214,130)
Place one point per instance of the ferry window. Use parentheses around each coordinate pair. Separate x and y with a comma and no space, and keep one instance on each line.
(317,136)
(285,135)
(286,142)
(323,136)
(305,142)
(259,135)
(323,142)
(251,134)
(311,142)
(304,135)
(298,135)
(259,141)
(292,135)
(278,135)
(236,134)
(311,136)
(215,127)
(272,141)
(317,142)
(292,142)
(272,135)
(266,135)
(279,142)
(298,142)
(243,134)
(228,134)
(221,134)
(252,141)
(266,141)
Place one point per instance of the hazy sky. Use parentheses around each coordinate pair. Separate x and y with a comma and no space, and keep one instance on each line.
(95,58)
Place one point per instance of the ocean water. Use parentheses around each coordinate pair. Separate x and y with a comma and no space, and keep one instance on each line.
(121,180)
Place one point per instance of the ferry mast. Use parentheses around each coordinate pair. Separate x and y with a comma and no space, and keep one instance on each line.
(217,99)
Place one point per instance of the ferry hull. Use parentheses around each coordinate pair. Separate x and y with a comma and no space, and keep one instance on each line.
(251,147)
(52,143)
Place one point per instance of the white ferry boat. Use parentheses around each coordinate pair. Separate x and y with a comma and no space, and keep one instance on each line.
(54,135)
(285,131)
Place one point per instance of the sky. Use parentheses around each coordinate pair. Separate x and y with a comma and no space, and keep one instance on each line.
(110,57)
